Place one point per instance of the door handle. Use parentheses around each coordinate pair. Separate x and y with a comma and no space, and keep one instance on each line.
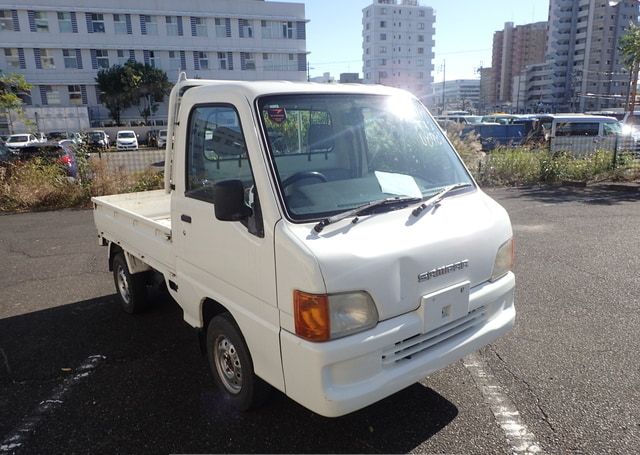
(185,218)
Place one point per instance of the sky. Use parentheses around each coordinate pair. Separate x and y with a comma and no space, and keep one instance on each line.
(463,38)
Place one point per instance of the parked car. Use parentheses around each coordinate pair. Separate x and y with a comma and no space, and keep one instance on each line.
(51,152)
(16,141)
(162,139)
(98,139)
(3,138)
(580,134)
(57,135)
(126,140)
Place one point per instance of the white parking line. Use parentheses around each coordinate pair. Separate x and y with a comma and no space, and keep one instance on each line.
(29,424)
(521,440)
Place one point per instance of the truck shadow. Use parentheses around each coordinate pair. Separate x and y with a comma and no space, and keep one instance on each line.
(153,393)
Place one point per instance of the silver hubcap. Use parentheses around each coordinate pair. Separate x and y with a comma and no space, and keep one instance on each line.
(123,285)
(228,364)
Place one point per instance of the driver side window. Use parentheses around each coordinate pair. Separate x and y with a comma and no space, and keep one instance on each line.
(216,151)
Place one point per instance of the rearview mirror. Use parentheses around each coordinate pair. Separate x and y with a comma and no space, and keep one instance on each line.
(228,201)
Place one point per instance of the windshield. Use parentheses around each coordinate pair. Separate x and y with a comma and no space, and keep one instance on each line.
(96,136)
(20,138)
(332,152)
(126,135)
(163,133)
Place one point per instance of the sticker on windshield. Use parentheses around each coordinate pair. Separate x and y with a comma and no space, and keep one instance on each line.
(277,114)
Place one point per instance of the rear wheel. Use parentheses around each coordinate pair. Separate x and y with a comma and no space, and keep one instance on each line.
(231,364)
(132,289)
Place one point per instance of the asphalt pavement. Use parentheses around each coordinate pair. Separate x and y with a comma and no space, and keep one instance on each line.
(78,375)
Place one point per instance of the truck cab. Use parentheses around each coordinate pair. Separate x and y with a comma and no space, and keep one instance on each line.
(327,241)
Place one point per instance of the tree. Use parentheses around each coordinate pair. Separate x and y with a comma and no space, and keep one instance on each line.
(630,49)
(116,90)
(149,86)
(12,88)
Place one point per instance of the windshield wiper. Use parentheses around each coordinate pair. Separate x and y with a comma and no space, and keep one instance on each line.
(361,210)
(437,198)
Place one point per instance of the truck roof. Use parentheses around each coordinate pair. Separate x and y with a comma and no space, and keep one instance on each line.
(254,89)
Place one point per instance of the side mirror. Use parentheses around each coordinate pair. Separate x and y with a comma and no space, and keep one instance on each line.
(228,201)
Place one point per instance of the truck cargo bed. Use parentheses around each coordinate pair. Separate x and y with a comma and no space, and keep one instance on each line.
(140,223)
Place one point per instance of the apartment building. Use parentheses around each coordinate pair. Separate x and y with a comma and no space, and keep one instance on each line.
(514,48)
(584,69)
(60,46)
(397,45)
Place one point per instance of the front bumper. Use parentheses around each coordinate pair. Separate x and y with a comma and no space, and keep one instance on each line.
(344,375)
(127,146)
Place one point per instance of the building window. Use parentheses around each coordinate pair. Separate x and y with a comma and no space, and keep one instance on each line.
(222,60)
(247,61)
(246,29)
(151,24)
(6,21)
(420,38)
(153,61)
(64,22)
(383,24)
(421,26)
(172,25)
(12,57)
(367,26)
(203,60)
(221,28)
(201,26)
(383,36)
(46,58)
(383,10)
(41,21)
(277,29)
(174,60)
(75,94)
(421,13)
(383,62)
(102,58)
(97,23)
(279,62)
(70,59)
(120,24)
(421,50)
(121,57)
(53,94)
(382,75)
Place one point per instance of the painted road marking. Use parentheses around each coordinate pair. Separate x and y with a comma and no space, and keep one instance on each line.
(521,440)
(29,424)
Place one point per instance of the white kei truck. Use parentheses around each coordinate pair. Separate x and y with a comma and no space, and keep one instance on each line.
(326,240)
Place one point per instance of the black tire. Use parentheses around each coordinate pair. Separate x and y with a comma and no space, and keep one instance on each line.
(131,289)
(233,370)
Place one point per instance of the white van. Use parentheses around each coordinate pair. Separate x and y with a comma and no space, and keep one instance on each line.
(585,134)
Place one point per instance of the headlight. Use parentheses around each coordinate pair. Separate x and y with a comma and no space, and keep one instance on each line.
(504,260)
(329,316)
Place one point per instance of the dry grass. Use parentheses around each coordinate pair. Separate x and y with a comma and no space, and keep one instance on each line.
(35,185)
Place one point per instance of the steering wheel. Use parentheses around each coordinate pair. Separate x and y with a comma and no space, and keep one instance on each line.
(301,176)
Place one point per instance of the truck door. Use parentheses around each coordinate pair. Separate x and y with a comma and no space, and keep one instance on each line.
(231,263)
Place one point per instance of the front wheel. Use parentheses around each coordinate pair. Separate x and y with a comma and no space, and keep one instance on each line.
(231,364)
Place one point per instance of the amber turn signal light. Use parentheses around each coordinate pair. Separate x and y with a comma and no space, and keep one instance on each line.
(311,312)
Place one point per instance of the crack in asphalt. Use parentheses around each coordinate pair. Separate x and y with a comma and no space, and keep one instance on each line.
(507,367)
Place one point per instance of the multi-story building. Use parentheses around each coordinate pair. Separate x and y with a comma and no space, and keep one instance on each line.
(514,48)
(585,70)
(459,94)
(398,41)
(487,90)
(59,46)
